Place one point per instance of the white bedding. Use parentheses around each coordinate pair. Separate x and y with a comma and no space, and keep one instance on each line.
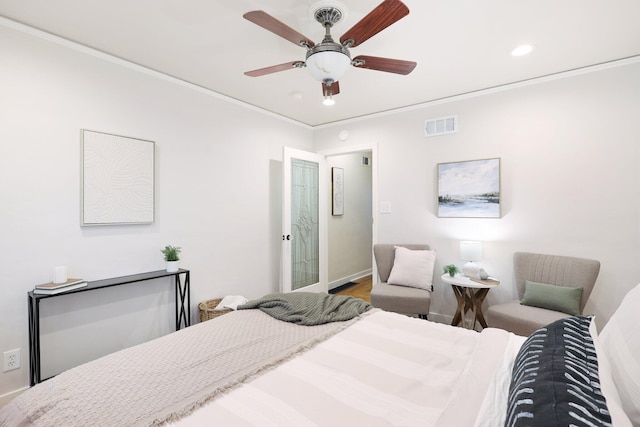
(248,369)
(494,407)
(385,370)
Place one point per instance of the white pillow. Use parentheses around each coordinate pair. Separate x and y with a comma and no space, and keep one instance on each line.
(232,302)
(620,339)
(413,268)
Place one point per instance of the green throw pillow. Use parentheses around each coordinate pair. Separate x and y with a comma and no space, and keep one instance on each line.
(551,297)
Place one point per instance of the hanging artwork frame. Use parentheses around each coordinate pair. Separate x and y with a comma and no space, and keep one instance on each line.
(469,189)
(117,179)
(337,191)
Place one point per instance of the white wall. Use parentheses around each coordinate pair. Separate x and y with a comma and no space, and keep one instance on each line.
(350,236)
(570,182)
(218,196)
(569,151)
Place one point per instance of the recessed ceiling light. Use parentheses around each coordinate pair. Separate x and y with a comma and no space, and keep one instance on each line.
(296,94)
(522,50)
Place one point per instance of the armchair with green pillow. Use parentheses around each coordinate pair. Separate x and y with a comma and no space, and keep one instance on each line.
(550,287)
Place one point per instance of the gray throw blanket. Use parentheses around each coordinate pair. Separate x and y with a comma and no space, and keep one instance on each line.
(308,308)
(162,380)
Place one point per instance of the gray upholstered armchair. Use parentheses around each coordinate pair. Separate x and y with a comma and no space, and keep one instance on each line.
(399,299)
(544,270)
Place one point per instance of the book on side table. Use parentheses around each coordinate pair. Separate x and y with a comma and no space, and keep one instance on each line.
(487,281)
(56,288)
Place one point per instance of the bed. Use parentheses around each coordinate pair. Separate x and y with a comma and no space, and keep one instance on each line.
(347,364)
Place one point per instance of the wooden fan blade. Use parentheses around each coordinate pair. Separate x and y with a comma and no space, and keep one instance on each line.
(270,23)
(385,14)
(275,68)
(389,65)
(334,89)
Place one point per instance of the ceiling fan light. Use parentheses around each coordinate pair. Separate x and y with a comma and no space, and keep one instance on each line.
(328,65)
(328,101)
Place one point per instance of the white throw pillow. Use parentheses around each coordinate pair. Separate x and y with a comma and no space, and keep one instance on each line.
(620,339)
(232,302)
(413,268)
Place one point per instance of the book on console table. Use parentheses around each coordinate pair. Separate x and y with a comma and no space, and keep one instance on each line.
(487,281)
(55,288)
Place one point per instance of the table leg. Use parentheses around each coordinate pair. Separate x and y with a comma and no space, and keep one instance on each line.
(187,286)
(479,297)
(467,300)
(176,285)
(34,340)
(461,298)
(32,346)
(183,301)
(468,304)
(182,293)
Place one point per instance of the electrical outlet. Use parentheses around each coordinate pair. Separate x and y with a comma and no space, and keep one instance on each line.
(11,360)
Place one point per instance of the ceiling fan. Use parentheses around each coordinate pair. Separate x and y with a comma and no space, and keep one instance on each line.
(328,60)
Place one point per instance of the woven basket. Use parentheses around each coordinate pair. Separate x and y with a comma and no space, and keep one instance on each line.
(207,311)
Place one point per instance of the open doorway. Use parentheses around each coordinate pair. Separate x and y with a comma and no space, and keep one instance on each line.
(351,230)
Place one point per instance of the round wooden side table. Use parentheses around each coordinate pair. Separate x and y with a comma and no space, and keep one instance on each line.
(470,295)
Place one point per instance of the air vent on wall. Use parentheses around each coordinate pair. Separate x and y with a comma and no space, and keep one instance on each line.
(441,126)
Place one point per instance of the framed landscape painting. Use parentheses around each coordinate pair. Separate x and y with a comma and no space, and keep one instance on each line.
(469,189)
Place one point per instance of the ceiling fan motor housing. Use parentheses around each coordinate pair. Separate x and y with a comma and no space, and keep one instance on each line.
(327,61)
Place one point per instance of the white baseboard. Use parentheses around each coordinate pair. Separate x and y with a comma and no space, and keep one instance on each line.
(8,397)
(347,279)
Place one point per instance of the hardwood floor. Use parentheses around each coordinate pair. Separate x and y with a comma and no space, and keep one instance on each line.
(361,289)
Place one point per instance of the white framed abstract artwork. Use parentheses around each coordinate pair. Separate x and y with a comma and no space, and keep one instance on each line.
(469,189)
(337,187)
(117,179)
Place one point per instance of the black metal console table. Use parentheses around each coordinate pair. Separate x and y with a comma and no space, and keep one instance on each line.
(183,312)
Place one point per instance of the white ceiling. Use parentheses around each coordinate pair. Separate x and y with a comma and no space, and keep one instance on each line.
(460,46)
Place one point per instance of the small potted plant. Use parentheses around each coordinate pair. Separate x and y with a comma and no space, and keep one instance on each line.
(451,269)
(171,256)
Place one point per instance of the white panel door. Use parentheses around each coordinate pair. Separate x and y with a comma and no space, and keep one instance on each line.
(304,222)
